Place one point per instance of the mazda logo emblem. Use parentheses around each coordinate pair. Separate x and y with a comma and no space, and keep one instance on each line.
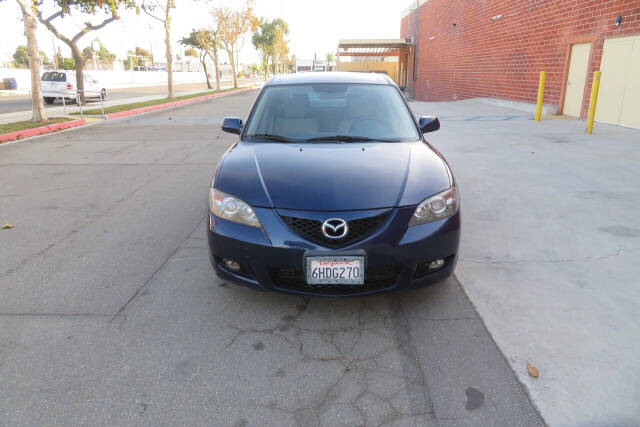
(335,228)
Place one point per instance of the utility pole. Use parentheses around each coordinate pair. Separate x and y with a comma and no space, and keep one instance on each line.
(153,65)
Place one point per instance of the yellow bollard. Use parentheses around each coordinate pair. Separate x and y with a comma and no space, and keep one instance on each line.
(543,78)
(593,101)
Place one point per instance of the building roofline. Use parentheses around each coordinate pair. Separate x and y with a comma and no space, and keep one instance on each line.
(411,7)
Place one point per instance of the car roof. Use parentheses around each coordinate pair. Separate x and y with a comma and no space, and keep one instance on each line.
(329,77)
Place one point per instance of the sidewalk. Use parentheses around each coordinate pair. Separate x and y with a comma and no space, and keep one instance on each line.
(549,253)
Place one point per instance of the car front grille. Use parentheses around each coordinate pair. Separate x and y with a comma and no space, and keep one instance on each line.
(311,229)
(375,280)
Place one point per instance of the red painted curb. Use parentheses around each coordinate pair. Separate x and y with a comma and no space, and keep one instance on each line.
(173,103)
(40,130)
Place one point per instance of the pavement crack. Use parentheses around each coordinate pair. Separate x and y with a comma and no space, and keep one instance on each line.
(417,388)
(157,270)
(78,228)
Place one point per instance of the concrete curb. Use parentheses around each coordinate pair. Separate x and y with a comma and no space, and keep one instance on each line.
(141,110)
(26,133)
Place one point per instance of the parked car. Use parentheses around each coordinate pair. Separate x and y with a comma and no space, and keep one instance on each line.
(331,189)
(62,83)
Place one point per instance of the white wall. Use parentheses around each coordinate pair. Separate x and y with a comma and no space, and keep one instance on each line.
(114,79)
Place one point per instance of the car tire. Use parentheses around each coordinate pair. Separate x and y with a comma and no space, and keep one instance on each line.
(49,100)
(103,94)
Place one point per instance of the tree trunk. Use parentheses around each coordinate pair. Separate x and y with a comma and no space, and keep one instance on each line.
(77,57)
(167,43)
(266,68)
(233,67)
(203,60)
(37,105)
(215,66)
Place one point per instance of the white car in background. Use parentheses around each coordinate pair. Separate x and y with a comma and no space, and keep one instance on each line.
(57,84)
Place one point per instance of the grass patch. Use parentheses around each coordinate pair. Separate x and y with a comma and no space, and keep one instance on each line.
(134,105)
(16,126)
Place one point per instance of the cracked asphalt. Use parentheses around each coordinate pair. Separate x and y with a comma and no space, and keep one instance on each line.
(110,313)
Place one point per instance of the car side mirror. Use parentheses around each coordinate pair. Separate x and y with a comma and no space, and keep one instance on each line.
(232,125)
(429,124)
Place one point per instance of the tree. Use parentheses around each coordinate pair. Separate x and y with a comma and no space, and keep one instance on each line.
(191,52)
(88,7)
(231,25)
(21,57)
(160,10)
(264,40)
(280,48)
(329,59)
(206,42)
(66,63)
(102,54)
(30,25)
(144,53)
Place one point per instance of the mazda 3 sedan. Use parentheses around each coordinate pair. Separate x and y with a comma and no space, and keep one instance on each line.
(331,189)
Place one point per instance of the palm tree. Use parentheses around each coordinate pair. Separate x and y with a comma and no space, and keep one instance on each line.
(329,59)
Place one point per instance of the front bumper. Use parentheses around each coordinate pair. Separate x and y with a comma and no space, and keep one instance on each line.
(272,257)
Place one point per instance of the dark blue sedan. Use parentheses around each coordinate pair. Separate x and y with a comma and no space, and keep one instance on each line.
(331,189)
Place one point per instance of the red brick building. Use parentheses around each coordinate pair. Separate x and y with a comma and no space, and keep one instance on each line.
(496,48)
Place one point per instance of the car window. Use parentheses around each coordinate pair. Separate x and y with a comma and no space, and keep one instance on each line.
(54,76)
(305,111)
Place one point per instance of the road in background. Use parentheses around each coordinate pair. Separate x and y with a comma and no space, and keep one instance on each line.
(110,312)
(15,103)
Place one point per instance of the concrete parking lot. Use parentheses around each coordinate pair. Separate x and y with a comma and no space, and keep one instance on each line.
(110,313)
(550,249)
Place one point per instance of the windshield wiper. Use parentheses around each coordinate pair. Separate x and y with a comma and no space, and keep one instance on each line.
(270,137)
(349,138)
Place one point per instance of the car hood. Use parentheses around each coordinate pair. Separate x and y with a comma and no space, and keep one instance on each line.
(334,177)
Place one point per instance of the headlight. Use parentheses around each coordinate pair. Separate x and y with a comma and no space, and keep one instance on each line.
(231,208)
(442,205)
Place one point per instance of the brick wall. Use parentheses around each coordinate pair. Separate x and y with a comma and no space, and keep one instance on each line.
(498,47)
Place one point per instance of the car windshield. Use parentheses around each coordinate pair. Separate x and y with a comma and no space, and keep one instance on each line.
(331,112)
(54,76)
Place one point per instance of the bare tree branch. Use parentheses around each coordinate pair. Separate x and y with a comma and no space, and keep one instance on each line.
(90,27)
(51,28)
(55,15)
(147,8)
(153,16)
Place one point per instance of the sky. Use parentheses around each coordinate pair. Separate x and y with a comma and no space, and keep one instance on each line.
(315,26)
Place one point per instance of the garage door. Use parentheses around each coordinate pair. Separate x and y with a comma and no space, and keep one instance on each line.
(619,96)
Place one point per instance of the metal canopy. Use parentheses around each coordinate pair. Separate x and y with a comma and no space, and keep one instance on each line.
(371,47)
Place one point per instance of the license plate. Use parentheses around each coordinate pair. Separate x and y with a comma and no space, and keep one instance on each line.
(342,270)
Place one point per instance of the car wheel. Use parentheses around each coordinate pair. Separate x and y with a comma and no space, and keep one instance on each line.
(103,94)
(49,100)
